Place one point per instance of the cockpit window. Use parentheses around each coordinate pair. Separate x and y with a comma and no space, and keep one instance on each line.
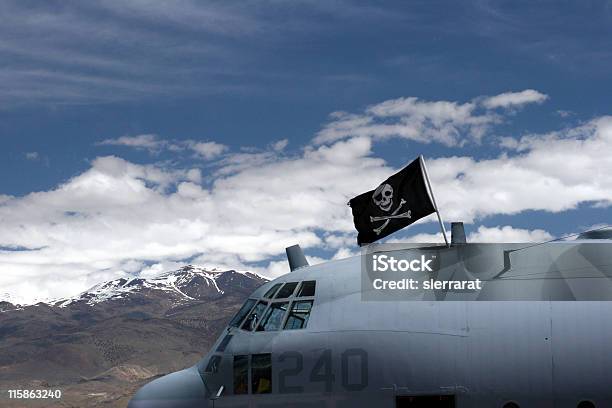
(244,310)
(213,364)
(241,374)
(299,314)
(251,322)
(270,293)
(261,373)
(287,290)
(255,315)
(273,319)
(307,288)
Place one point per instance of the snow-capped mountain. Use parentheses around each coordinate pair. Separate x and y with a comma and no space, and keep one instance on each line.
(118,334)
(185,284)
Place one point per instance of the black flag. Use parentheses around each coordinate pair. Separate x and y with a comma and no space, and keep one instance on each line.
(396,203)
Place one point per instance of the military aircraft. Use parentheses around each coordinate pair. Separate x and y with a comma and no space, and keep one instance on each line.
(537,334)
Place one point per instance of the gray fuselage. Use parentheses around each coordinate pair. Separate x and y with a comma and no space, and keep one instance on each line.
(550,348)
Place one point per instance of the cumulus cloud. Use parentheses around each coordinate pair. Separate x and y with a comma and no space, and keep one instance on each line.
(104,221)
(514,99)
(551,172)
(445,122)
(119,218)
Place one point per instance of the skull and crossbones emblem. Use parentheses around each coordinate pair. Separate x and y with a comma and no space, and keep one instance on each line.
(383,198)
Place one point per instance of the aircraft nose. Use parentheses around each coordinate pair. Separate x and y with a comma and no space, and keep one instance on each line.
(183,389)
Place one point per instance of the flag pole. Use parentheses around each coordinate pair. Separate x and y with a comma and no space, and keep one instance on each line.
(433,199)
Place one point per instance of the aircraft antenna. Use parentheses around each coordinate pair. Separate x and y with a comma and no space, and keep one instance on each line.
(296,257)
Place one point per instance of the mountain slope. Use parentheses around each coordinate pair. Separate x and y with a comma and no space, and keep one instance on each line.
(119,333)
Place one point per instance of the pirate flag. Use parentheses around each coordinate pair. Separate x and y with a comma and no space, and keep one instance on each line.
(398,202)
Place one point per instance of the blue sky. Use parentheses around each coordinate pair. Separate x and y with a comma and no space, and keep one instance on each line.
(201,101)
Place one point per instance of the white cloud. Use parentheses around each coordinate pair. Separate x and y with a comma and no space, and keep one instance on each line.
(345,253)
(276,269)
(280,145)
(419,238)
(32,156)
(508,234)
(237,162)
(148,142)
(150,50)
(552,172)
(194,175)
(161,267)
(508,142)
(410,118)
(445,122)
(90,227)
(514,99)
(117,217)
(75,56)
(206,150)
(339,240)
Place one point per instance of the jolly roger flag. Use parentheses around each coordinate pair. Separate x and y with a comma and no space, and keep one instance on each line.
(396,203)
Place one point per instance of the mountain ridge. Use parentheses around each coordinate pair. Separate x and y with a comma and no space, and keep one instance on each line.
(124,284)
(100,345)
(170,281)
